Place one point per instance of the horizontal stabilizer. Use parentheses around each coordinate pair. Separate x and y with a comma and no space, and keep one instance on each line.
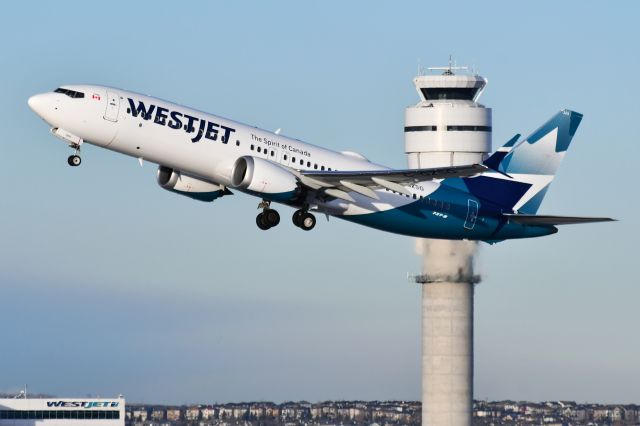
(532,219)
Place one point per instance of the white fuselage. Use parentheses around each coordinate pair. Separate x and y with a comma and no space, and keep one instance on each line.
(201,155)
(193,141)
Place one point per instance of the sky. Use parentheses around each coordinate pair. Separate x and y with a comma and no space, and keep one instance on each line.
(111,285)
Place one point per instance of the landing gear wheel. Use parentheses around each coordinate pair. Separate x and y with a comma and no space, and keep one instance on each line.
(271,217)
(307,221)
(297,217)
(74,160)
(260,221)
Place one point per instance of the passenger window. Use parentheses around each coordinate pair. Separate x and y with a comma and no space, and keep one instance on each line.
(321,167)
(315,166)
(272,153)
(259,149)
(308,163)
(252,147)
(285,157)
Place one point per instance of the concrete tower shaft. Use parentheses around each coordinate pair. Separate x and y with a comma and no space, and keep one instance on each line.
(447,331)
(448,127)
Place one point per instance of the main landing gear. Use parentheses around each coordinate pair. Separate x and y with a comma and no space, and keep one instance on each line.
(268,218)
(304,220)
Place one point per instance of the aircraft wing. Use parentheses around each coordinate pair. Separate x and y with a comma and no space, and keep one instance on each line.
(532,219)
(338,183)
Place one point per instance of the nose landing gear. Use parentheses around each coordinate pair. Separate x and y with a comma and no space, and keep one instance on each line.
(75,160)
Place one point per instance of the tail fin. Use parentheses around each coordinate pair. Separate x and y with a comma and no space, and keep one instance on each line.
(526,170)
(496,158)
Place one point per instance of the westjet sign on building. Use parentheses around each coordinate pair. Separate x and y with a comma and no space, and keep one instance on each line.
(55,411)
(84,404)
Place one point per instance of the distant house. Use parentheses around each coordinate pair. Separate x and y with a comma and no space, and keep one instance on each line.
(158,414)
(140,415)
(192,413)
(173,414)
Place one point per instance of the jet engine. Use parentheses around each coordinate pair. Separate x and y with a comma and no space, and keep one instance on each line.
(180,183)
(264,177)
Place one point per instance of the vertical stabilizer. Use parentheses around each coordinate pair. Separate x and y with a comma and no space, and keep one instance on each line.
(526,170)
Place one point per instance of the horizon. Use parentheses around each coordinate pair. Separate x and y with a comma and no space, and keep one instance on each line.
(284,402)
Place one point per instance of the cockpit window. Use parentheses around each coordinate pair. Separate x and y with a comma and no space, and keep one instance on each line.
(69,93)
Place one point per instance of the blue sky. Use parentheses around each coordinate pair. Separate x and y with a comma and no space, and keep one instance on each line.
(112,285)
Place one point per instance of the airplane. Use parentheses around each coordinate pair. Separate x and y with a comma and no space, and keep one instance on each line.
(204,157)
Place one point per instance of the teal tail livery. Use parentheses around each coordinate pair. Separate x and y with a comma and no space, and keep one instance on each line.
(208,158)
(526,169)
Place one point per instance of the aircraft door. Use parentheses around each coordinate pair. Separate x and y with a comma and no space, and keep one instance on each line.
(113,106)
(472,215)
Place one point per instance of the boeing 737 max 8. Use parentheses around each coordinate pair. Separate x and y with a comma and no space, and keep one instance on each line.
(203,156)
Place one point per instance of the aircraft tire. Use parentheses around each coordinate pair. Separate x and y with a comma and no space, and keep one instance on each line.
(261,222)
(297,217)
(271,217)
(74,160)
(307,221)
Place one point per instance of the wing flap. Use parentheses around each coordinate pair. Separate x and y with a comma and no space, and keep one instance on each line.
(532,219)
(338,193)
(362,190)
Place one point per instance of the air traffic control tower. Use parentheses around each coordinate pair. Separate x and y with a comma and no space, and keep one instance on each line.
(448,127)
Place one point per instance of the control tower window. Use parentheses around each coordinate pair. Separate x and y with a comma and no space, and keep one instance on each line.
(69,93)
(420,128)
(469,128)
(435,93)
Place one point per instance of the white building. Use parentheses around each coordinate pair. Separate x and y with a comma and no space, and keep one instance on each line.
(62,411)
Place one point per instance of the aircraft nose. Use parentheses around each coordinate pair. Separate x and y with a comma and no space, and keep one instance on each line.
(36,103)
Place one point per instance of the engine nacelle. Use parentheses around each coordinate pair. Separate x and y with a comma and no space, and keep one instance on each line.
(178,182)
(264,177)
